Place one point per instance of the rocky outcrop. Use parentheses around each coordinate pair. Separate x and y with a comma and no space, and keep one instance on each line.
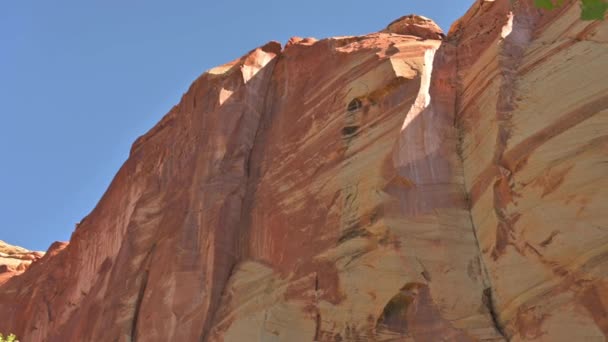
(417,26)
(15,260)
(393,186)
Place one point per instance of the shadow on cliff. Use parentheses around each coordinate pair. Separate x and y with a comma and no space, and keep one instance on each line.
(147,239)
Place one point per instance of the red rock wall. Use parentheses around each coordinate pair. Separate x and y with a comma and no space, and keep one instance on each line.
(532,111)
(15,260)
(348,209)
(150,262)
(385,187)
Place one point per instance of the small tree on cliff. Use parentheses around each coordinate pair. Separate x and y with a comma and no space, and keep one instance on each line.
(590,9)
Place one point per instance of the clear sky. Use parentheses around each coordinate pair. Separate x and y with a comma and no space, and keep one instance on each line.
(81,80)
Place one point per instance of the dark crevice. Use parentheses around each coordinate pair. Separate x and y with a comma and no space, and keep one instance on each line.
(488,300)
(140,298)
(354,105)
(142,291)
(548,240)
(394,316)
(250,176)
(250,173)
(487,293)
(317,327)
(354,257)
(425,273)
(352,233)
(49,313)
(487,296)
(223,295)
(349,130)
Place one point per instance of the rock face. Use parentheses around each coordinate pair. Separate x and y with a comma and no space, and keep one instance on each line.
(533,118)
(391,187)
(15,260)
(417,26)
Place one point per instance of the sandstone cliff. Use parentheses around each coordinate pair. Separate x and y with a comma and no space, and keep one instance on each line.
(15,260)
(398,186)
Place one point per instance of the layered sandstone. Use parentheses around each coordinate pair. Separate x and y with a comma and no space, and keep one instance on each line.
(15,260)
(533,118)
(398,186)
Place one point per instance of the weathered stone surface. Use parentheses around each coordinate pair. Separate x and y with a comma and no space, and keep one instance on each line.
(355,177)
(533,117)
(150,262)
(15,260)
(417,26)
(391,187)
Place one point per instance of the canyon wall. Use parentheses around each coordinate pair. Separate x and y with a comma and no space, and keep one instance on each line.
(398,186)
(533,120)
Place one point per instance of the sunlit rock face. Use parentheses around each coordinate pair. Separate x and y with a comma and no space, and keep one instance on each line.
(356,196)
(398,186)
(533,118)
(15,260)
(417,26)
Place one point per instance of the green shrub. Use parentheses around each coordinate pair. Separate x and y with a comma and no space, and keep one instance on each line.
(8,338)
(590,9)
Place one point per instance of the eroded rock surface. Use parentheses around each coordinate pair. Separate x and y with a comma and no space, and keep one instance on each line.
(533,117)
(417,26)
(397,186)
(15,260)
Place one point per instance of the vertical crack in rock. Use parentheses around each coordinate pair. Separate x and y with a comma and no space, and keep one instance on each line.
(140,297)
(489,303)
(487,293)
(213,315)
(48,306)
(252,175)
(142,291)
(318,312)
(516,36)
(241,242)
(317,327)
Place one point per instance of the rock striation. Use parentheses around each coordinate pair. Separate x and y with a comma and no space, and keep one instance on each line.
(398,186)
(15,260)
(532,113)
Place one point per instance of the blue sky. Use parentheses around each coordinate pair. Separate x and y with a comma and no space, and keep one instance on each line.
(81,80)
